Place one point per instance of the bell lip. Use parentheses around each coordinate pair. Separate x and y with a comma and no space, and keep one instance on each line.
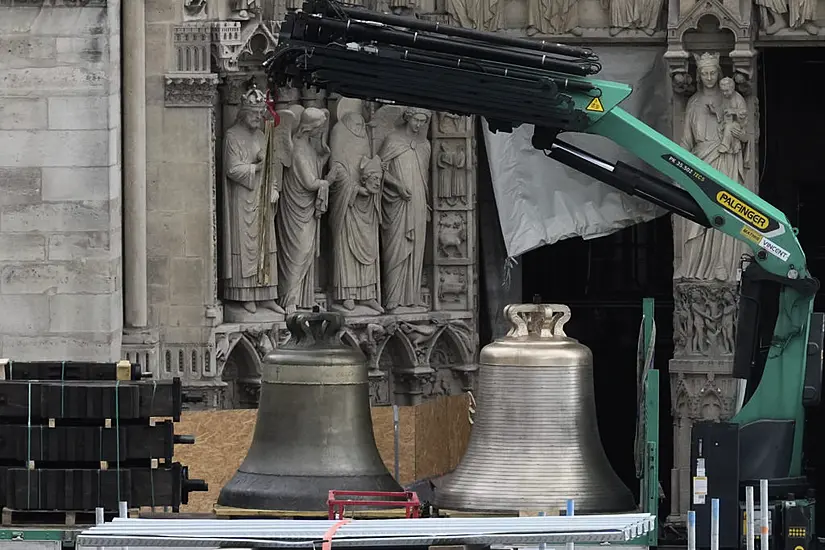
(315,357)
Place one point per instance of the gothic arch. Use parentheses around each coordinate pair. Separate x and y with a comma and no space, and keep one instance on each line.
(241,373)
(449,337)
(348,338)
(242,361)
(396,352)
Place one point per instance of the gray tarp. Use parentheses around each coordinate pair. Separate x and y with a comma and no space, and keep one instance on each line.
(541,201)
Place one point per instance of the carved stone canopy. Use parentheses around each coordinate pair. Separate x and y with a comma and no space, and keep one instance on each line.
(711,25)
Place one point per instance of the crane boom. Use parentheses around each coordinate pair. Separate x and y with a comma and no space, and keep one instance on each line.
(358,53)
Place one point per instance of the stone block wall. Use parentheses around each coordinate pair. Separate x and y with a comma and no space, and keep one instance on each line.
(181,241)
(60,174)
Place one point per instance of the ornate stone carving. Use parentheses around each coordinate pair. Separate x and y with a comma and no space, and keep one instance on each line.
(192,43)
(704,396)
(190,90)
(405,152)
(194,8)
(553,17)
(251,191)
(232,39)
(628,15)
(244,10)
(705,319)
(800,14)
(355,213)
(301,152)
(452,177)
(698,392)
(713,131)
(453,286)
(452,234)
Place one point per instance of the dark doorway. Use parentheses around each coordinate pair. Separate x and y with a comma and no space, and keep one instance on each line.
(791,178)
(604,281)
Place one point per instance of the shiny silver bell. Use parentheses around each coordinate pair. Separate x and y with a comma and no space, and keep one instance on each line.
(314,428)
(535,442)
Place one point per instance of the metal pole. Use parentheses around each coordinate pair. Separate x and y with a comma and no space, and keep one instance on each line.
(396,435)
(123,509)
(750,538)
(714,524)
(99,517)
(764,515)
(691,534)
(542,545)
(571,511)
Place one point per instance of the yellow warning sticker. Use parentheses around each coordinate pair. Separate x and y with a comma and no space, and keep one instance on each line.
(595,105)
(750,234)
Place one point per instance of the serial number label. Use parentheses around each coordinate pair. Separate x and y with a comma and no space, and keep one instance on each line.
(690,172)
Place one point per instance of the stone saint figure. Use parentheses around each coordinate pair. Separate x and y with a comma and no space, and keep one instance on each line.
(451,179)
(304,199)
(640,15)
(355,213)
(708,254)
(406,154)
(553,17)
(251,194)
(484,15)
(800,13)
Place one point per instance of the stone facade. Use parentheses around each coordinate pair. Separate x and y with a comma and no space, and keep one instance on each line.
(60,168)
(197,61)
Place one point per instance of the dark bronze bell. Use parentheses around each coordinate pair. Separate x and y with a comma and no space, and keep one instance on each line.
(314,427)
(535,442)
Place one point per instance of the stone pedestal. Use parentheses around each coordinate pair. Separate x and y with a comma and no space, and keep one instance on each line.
(702,387)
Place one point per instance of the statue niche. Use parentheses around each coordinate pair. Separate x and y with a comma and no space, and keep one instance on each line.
(715,131)
(405,153)
(250,270)
(355,213)
(301,154)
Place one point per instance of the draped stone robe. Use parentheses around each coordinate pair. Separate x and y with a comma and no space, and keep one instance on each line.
(248,221)
(298,225)
(354,218)
(709,254)
(404,223)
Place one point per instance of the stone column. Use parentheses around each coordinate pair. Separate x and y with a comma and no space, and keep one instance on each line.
(706,263)
(134,165)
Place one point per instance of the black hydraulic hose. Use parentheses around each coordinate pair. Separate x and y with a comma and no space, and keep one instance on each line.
(631,181)
(471,34)
(349,30)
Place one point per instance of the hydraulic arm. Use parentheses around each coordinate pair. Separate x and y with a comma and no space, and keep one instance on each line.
(379,57)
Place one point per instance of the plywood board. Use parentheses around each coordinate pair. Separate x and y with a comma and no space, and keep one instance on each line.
(432,438)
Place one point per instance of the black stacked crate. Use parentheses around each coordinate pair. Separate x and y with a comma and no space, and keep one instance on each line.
(75,436)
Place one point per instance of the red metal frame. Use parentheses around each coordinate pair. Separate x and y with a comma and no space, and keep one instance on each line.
(411,504)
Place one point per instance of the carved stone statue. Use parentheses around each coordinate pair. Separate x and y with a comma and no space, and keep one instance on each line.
(723,143)
(244,9)
(705,323)
(405,210)
(302,140)
(451,181)
(640,15)
(355,212)
(801,14)
(484,15)
(250,270)
(553,17)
